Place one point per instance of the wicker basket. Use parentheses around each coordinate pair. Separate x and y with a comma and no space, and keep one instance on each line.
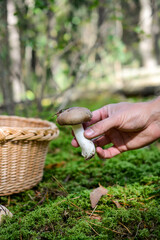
(23,148)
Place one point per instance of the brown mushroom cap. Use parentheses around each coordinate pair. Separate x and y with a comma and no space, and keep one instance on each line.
(74,116)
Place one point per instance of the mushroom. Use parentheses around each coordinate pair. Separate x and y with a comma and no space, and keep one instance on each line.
(4,212)
(75,117)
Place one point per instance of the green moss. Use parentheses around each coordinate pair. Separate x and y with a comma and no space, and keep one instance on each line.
(49,211)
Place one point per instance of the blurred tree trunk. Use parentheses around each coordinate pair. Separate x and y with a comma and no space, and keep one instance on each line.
(119,35)
(15,53)
(156,28)
(44,64)
(101,20)
(101,25)
(146,42)
(5,83)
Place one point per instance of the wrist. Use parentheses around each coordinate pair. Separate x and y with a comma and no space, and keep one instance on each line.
(155,107)
(155,113)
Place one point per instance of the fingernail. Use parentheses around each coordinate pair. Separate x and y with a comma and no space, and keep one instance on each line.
(89,132)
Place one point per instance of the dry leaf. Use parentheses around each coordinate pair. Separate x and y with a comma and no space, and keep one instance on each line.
(96,194)
(55,165)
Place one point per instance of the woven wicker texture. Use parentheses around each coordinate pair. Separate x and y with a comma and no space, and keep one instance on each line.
(23,148)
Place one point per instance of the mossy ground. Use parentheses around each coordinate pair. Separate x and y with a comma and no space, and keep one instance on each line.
(59,206)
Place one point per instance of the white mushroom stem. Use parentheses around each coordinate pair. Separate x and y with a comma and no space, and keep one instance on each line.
(87,146)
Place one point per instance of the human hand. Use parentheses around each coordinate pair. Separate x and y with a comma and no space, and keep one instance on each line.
(127,126)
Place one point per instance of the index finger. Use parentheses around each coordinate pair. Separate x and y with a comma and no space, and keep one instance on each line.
(97,116)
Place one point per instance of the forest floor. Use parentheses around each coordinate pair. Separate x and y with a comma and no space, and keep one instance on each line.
(59,206)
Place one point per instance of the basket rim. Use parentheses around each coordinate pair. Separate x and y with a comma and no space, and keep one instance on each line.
(27,119)
(41,133)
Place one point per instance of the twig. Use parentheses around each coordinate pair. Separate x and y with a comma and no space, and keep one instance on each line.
(43,199)
(96,211)
(76,206)
(67,178)
(93,215)
(118,205)
(152,196)
(92,228)
(9,200)
(81,73)
(125,227)
(109,229)
(93,211)
(66,49)
(40,202)
(137,229)
(60,185)
(31,197)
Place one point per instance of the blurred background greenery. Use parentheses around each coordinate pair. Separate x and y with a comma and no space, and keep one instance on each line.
(54,52)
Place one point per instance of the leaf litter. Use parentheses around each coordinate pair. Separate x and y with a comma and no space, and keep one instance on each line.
(96,194)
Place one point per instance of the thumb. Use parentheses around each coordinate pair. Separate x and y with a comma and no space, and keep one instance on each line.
(101,127)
